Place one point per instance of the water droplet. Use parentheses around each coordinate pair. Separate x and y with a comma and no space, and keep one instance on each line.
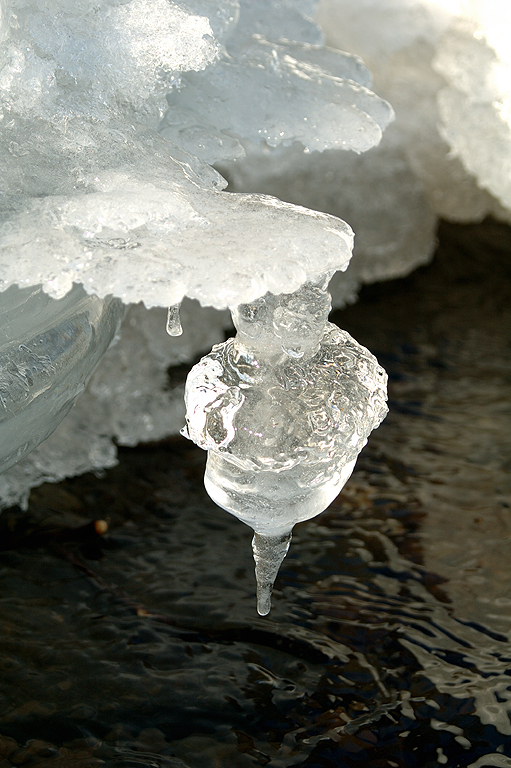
(173,321)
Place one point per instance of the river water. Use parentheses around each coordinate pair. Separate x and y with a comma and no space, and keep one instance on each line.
(389,641)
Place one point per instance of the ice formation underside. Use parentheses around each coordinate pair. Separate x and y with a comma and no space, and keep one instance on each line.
(112,116)
(283,410)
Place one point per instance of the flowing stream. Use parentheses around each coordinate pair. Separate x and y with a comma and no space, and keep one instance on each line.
(389,640)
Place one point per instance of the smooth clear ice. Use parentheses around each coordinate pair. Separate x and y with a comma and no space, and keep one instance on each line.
(283,410)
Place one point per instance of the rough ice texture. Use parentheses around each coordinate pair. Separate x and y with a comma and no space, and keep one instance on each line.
(151,235)
(283,410)
(89,194)
(88,57)
(392,194)
(291,395)
(281,93)
(277,417)
(474,56)
(376,191)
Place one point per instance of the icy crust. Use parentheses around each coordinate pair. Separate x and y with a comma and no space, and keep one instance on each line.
(141,224)
(91,194)
(280,93)
(87,57)
(377,192)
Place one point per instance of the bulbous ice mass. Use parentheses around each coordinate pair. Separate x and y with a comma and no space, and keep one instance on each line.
(283,409)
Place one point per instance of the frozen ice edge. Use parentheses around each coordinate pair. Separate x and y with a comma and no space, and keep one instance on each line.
(151,226)
(258,244)
(92,194)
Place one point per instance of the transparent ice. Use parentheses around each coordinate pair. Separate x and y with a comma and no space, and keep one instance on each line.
(283,410)
(174,327)
(48,351)
(92,194)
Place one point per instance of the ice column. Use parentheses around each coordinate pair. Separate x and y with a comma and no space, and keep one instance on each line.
(283,410)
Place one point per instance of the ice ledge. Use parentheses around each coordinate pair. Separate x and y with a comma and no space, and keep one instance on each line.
(257,244)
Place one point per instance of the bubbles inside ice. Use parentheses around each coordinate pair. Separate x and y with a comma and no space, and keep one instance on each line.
(283,410)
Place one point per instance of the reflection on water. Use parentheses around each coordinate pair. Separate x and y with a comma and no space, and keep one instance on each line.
(389,641)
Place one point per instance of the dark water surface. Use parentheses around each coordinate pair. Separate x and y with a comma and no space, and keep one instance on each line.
(389,642)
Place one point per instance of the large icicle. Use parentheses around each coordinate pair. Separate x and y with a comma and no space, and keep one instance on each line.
(284,409)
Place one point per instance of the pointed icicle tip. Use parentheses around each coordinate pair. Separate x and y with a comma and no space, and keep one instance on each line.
(269,552)
(173,321)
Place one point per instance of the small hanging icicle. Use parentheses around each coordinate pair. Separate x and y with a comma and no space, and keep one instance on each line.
(173,321)
(269,552)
